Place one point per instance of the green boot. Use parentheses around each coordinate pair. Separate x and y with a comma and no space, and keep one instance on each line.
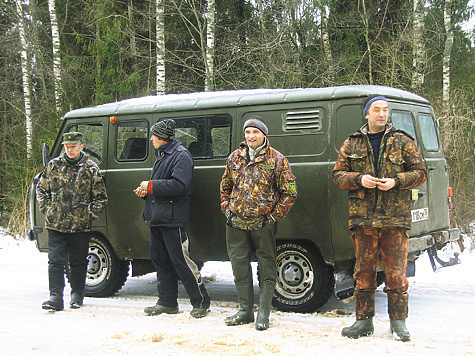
(360,328)
(265,300)
(245,315)
(399,330)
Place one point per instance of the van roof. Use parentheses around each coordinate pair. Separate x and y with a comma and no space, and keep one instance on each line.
(234,98)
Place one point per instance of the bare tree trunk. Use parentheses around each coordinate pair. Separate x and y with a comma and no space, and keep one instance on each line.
(365,18)
(210,35)
(25,69)
(449,41)
(418,47)
(56,53)
(326,45)
(133,46)
(160,30)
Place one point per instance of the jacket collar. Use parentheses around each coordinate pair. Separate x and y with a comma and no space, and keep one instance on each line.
(243,149)
(364,130)
(170,146)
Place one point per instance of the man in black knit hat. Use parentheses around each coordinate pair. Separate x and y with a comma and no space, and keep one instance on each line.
(378,165)
(167,203)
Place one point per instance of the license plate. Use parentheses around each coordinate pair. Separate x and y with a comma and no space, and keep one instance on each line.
(420,214)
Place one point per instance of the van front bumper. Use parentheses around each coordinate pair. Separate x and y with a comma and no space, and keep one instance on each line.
(440,237)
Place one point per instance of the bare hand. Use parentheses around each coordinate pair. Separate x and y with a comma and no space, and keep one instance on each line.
(140,192)
(386,183)
(368,181)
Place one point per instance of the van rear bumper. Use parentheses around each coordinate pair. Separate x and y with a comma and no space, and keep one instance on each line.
(422,243)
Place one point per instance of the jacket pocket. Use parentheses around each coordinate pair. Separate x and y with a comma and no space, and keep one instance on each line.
(396,163)
(357,203)
(358,162)
(162,212)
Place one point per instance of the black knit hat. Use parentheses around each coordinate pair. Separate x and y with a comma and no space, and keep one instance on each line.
(370,99)
(164,129)
(258,123)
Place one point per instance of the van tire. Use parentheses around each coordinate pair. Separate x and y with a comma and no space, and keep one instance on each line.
(106,274)
(304,281)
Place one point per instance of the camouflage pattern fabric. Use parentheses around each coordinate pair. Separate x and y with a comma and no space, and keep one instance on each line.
(399,158)
(71,195)
(263,187)
(391,245)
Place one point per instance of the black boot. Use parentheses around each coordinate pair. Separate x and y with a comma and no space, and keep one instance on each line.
(360,328)
(77,299)
(399,330)
(245,315)
(55,303)
(265,300)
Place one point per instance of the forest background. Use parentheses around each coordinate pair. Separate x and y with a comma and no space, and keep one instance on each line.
(58,55)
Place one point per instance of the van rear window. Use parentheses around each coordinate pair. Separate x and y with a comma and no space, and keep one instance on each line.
(403,121)
(428,132)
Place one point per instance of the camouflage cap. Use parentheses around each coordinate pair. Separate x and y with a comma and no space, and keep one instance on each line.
(72,138)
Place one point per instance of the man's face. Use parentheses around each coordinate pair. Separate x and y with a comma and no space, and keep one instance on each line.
(254,137)
(377,116)
(73,150)
(157,143)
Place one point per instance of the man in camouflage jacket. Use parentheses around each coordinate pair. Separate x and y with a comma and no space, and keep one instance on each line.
(379,165)
(257,189)
(71,194)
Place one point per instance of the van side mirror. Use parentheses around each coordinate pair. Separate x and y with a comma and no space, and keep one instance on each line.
(46,154)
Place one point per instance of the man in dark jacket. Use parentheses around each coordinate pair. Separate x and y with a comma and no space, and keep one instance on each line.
(167,203)
(71,194)
(379,165)
(257,189)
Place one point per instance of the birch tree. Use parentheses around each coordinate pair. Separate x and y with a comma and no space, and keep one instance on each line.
(449,42)
(418,47)
(56,53)
(327,52)
(26,78)
(210,36)
(160,33)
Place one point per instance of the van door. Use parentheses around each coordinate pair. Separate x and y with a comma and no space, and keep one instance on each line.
(437,172)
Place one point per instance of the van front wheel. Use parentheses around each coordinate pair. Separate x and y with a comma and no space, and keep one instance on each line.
(106,274)
(304,281)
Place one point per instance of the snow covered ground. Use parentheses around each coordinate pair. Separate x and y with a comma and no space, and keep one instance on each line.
(441,322)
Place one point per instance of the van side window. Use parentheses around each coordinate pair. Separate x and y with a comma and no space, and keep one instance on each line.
(93,139)
(205,136)
(404,121)
(428,132)
(132,140)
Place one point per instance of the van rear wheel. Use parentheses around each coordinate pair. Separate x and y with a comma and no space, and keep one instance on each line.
(106,274)
(304,281)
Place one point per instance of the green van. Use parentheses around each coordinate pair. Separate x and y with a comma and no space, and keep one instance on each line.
(315,257)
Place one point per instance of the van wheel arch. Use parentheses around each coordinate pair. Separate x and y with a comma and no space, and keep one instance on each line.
(106,274)
(304,281)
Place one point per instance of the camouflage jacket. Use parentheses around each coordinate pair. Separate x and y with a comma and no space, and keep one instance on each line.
(71,195)
(399,159)
(264,186)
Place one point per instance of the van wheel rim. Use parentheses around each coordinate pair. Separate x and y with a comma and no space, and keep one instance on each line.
(294,274)
(97,266)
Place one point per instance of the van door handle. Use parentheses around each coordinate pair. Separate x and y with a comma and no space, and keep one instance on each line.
(431,168)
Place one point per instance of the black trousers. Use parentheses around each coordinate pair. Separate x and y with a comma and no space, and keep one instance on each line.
(64,248)
(169,252)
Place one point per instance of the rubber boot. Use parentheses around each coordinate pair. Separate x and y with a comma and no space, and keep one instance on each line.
(266,293)
(55,303)
(363,327)
(245,314)
(399,330)
(77,299)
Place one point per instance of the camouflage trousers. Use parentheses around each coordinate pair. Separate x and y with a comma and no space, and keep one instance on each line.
(390,247)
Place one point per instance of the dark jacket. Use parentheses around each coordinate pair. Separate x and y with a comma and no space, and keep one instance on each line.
(264,186)
(399,158)
(71,195)
(169,201)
